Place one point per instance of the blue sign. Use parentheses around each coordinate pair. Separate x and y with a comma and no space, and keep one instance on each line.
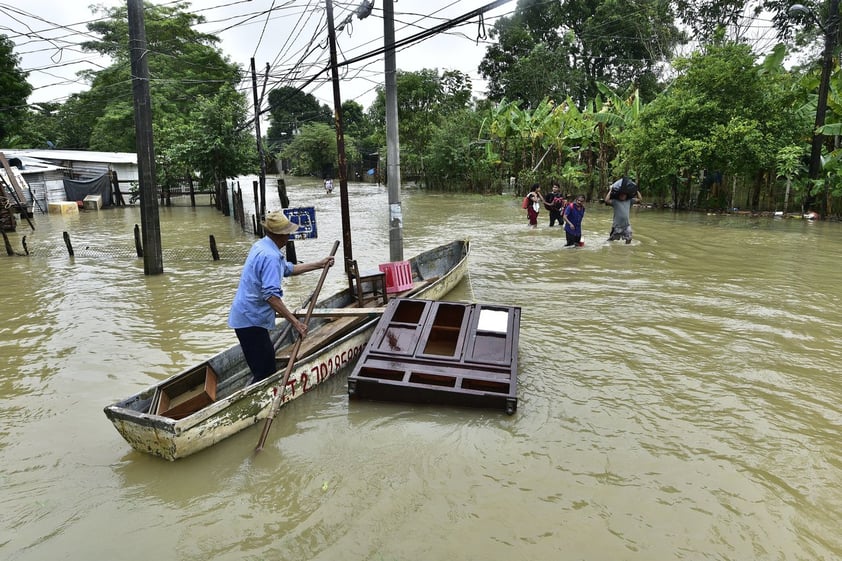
(305,217)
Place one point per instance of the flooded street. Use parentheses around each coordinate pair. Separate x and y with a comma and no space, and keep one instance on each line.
(679,398)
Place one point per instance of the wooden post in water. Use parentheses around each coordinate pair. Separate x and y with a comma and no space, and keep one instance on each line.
(226,205)
(68,244)
(23,243)
(115,190)
(192,190)
(214,251)
(239,211)
(258,230)
(282,193)
(138,245)
(9,250)
(234,204)
(291,255)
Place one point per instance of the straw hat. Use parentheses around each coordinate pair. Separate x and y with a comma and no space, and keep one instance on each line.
(277,223)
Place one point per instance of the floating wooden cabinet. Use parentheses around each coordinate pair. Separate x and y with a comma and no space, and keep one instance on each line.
(187,394)
(444,335)
(441,352)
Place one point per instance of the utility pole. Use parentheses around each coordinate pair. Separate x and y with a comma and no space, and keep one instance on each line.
(153,261)
(340,142)
(260,154)
(393,151)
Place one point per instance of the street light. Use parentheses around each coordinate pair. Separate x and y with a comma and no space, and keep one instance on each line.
(830,30)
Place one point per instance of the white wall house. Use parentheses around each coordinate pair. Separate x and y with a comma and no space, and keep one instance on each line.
(45,170)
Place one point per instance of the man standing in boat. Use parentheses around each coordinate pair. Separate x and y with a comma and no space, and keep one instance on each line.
(259,297)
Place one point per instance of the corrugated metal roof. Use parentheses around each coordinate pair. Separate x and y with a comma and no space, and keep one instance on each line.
(76,155)
(34,165)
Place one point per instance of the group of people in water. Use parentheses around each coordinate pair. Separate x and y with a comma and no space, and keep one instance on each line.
(569,211)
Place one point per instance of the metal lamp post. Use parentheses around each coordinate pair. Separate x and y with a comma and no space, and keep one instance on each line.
(830,31)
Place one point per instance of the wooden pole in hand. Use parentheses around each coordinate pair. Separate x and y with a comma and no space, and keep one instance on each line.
(293,355)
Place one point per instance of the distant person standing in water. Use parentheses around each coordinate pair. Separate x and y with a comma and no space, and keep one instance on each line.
(532,204)
(554,201)
(621,196)
(573,214)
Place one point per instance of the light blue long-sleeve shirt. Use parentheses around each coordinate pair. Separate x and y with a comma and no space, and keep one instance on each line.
(262,277)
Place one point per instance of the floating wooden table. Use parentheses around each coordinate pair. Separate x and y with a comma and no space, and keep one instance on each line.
(441,352)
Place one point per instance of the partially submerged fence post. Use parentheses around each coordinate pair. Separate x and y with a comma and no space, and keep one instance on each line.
(239,212)
(192,190)
(138,245)
(282,193)
(117,195)
(9,250)
(68,244)
(214,251)
(222,198)
(258,231)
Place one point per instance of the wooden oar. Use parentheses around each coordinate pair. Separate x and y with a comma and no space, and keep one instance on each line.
(293,355)
(276,340)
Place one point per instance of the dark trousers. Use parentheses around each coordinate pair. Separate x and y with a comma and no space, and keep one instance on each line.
(555,215)
(572,239)
(259,351)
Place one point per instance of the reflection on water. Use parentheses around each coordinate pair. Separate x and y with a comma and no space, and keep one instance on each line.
(677,397)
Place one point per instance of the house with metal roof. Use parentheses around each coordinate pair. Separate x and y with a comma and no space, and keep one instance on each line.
(46,170)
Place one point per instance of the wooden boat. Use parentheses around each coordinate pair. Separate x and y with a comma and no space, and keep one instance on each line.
(334,340)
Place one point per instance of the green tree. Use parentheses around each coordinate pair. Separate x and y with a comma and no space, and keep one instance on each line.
(76,119)
(216,144)
(563,49)
(354,120)
(425,100)
(790,161)
(723,113)
(455,158)
(289,110)
(358,126)
(40,127)
(184,65)
(14,91)
(313,150)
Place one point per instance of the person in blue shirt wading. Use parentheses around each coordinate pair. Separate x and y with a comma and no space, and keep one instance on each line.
(259,297)
(573,214)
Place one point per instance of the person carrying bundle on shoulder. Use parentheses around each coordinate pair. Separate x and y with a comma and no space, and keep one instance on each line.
(622,194)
